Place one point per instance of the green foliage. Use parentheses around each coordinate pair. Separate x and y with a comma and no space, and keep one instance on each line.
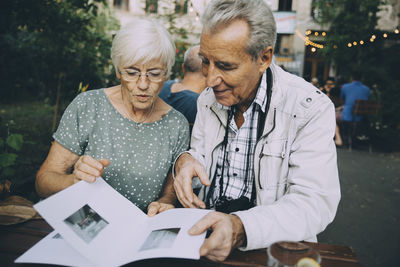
(171,19)
(41,39)
(355,20)
(20,156)
(8,159)
(349,21)
(15,141)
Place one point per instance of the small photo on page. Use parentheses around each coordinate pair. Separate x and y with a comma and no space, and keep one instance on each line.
(57,236)
(162,238)
(86,223)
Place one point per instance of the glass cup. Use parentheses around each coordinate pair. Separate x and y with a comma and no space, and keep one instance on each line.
(287,254)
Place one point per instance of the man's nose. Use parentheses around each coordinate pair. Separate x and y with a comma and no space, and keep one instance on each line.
(213,76)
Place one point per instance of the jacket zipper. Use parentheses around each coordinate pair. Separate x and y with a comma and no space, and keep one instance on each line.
(259,157)
(212,152)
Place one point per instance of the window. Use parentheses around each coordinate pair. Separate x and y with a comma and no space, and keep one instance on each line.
(285,5)
(284,45)
(121,4)
(181,6)
(151,6)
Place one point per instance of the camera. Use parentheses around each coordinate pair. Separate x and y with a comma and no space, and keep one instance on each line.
(228,204)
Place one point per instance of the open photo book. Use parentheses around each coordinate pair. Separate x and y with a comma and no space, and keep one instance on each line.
(96,226)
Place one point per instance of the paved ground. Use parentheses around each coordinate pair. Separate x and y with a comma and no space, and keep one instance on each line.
(369,212)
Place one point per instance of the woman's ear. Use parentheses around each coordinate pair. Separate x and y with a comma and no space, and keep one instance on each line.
(265,58)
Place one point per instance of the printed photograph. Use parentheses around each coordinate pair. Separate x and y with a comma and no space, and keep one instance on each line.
(57,236)
(162,238)
(86,223)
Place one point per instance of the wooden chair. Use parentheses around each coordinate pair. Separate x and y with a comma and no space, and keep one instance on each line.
(366,108)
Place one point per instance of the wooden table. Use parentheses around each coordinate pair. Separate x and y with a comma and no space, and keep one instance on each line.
(16,239)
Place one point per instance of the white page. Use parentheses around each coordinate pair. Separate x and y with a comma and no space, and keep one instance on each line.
(104,241)
(174,226)
(109,230)
(54,250)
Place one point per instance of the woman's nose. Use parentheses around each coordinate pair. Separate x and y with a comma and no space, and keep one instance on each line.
(143,82)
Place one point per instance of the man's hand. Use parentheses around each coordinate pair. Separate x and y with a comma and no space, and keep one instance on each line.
(157,207)
(186,168)
(88,169)
(227,233)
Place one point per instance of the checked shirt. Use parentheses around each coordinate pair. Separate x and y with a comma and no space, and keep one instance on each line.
(238,160)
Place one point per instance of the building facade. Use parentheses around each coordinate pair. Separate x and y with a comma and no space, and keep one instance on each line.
(299,35)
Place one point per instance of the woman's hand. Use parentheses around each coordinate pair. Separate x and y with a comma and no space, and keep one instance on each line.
(157,207)
(88,169)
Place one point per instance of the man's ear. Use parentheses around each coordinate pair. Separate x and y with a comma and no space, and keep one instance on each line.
(265,58)
(118,75)
(183,68)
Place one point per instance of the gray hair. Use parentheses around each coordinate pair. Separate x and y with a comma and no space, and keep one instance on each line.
(258,15)
(142,41)
(191,60)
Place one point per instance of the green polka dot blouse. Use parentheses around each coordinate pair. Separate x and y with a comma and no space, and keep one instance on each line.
(140,155)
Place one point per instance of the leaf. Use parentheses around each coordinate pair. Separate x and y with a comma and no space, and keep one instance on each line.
(7,159)
(8,172)
(15,141)
(1,143)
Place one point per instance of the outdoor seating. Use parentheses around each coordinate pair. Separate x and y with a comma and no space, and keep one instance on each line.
(361,130)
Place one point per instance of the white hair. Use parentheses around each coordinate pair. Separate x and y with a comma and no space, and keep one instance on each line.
(142,41)
(258,15)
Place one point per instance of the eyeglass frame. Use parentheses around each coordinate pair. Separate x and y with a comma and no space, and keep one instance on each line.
(137,74)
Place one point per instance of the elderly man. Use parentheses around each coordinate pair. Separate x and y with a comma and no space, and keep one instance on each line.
(262,143)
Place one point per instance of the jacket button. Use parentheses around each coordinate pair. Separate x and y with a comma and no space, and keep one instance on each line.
(235,174)
(237,149)
(309,99)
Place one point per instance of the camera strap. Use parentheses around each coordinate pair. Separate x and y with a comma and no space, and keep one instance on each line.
(260,128)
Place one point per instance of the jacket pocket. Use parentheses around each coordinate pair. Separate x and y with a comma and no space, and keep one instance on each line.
(272,170)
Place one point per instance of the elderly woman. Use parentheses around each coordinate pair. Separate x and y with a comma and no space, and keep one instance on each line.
(125,133)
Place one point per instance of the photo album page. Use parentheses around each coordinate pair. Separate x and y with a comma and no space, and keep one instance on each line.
(102,228)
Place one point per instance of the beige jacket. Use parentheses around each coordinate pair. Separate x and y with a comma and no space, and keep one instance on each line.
(295,163)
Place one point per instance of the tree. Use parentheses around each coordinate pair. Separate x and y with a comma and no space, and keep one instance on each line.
(351,21)
(179,28)
(49,46)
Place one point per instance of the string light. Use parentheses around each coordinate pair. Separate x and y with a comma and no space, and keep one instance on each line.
(308,42)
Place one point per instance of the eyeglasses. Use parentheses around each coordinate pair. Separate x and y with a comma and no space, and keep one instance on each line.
(132,75)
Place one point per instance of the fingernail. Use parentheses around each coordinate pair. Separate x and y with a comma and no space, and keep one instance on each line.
(192,231)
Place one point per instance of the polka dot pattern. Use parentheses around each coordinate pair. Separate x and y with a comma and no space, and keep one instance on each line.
(140,156)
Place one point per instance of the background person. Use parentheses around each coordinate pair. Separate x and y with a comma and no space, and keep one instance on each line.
(125,133)
(182,96)
(333,92)
(315,82)
(351,92)
(262,143)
